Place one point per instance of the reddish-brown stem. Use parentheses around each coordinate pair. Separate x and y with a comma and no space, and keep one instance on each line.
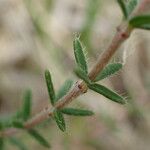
(123,32)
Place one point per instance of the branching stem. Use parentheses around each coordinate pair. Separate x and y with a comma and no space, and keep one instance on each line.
(80,87)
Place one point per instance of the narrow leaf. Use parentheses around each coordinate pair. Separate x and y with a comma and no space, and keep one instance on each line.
(107,93)
(82,75)
(109,70)
(1,143)
(79,55)
(26,110)
(1,126)
(18,143)
(142,22)
(146,27)
(76,112)
(64,89)
(123,8)
(50,87)
(60,120)
(131,5)
(38,137)
(17,124)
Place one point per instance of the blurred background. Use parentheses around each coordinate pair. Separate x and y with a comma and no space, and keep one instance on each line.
(36,35)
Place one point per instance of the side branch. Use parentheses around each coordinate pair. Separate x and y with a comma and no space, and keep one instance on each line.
(123,32)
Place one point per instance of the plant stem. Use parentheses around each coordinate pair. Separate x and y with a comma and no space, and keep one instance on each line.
(123,32)
(80,87)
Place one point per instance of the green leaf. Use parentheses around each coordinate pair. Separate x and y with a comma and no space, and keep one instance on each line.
(76,112)
(1,143)
(18,124)
(107,93)
(59,120)
(146,27)
(131,5)
(123,8)
(142,22)
(109,70)
(50,87)
(64,89)
(39,138)
(80,55)
(26,110)
(18,143)
(1,126)
(82,75)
